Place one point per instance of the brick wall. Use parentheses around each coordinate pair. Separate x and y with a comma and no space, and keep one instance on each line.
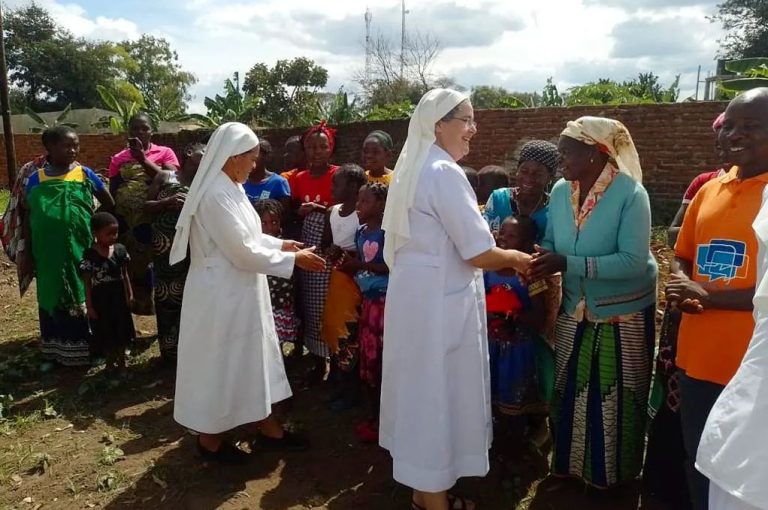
(675,142)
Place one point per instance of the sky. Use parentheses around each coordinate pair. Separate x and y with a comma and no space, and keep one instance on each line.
(513,44)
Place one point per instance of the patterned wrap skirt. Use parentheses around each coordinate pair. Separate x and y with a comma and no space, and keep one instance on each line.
(599,409)
(371,335)
(314,288)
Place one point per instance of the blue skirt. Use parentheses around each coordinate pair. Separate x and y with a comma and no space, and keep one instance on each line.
(515,385)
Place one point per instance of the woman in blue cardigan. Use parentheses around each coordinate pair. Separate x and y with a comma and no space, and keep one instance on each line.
(598,237)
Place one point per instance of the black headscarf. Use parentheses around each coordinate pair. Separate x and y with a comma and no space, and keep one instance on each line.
(542,152)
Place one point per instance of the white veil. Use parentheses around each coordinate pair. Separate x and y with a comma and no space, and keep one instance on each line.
(434,105)
(228,140)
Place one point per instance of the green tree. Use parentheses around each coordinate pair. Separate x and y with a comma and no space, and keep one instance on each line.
(123,111)
(30,35)
(391,111)
(746,25)
(80,68)
(18,100)
(338,109)
(286,91)
(550,96)
(233,106)
(155,71)
(644,89)
(486,96)
(52,67)
(383,92)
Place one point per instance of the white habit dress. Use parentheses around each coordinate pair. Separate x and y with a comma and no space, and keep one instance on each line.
(435,399)
(230,368)
(733,451)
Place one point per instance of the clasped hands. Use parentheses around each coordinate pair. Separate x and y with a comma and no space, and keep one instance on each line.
(685,294)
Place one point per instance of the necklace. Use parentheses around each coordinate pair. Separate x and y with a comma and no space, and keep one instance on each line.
(532,210)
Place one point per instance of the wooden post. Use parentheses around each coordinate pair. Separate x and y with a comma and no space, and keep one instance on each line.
(5,109)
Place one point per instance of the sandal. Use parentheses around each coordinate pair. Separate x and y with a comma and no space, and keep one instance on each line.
(290,442)
(454,500)
(226,454)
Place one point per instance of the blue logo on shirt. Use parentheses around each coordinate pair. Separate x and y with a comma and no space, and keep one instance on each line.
(722,259)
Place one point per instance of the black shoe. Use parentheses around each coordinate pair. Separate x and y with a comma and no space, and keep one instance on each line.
(226,454)
(290,442)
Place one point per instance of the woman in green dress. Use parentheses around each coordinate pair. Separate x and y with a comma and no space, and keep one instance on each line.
(131,172)
(58,205)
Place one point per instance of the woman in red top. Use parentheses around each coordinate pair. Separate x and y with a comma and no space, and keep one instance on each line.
(311,196)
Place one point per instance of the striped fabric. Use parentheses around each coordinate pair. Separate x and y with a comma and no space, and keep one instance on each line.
(602,379)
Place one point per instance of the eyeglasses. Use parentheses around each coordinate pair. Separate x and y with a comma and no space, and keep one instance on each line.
(469,122)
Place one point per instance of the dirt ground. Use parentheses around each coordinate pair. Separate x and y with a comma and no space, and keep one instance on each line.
(73,439)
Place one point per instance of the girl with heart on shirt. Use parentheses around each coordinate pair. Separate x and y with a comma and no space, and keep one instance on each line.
(371,275)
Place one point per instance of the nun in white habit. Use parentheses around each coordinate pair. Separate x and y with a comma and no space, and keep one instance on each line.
(435,400)
(733,452)
(230,369)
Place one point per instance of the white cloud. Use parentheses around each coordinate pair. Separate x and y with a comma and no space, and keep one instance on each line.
(494,42)
(74,18)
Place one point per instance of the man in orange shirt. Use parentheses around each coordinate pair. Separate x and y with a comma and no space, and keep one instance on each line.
(713,280)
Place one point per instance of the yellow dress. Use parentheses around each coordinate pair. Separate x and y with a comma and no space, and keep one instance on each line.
(384,179)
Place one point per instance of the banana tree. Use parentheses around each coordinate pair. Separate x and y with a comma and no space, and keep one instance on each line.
(118,121)
(750,73)
(233,106)
(338,109)
(43,124)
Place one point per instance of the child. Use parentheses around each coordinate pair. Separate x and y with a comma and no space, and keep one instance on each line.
(372,276)
(108,293)
(474,181)
(263,184)
(516,315)
(294,159)
(489,179)
(281,290)
(377,153)
(339,322)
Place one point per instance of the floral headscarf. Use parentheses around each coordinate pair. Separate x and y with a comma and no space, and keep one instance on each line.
(611,137)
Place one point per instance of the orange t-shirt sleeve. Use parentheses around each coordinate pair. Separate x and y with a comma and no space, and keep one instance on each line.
(685,247)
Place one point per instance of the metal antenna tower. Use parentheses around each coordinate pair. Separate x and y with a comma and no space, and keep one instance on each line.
(368,46)
(402,39)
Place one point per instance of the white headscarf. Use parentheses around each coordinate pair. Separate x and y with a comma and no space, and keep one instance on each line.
(230,139)
(611,137)
(434,105)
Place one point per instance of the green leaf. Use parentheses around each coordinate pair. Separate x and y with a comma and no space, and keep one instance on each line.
(744,65)
(37,118)
(107,98)
(110,455)
(64,113)
(106,482)
(742,84)
(115,125)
